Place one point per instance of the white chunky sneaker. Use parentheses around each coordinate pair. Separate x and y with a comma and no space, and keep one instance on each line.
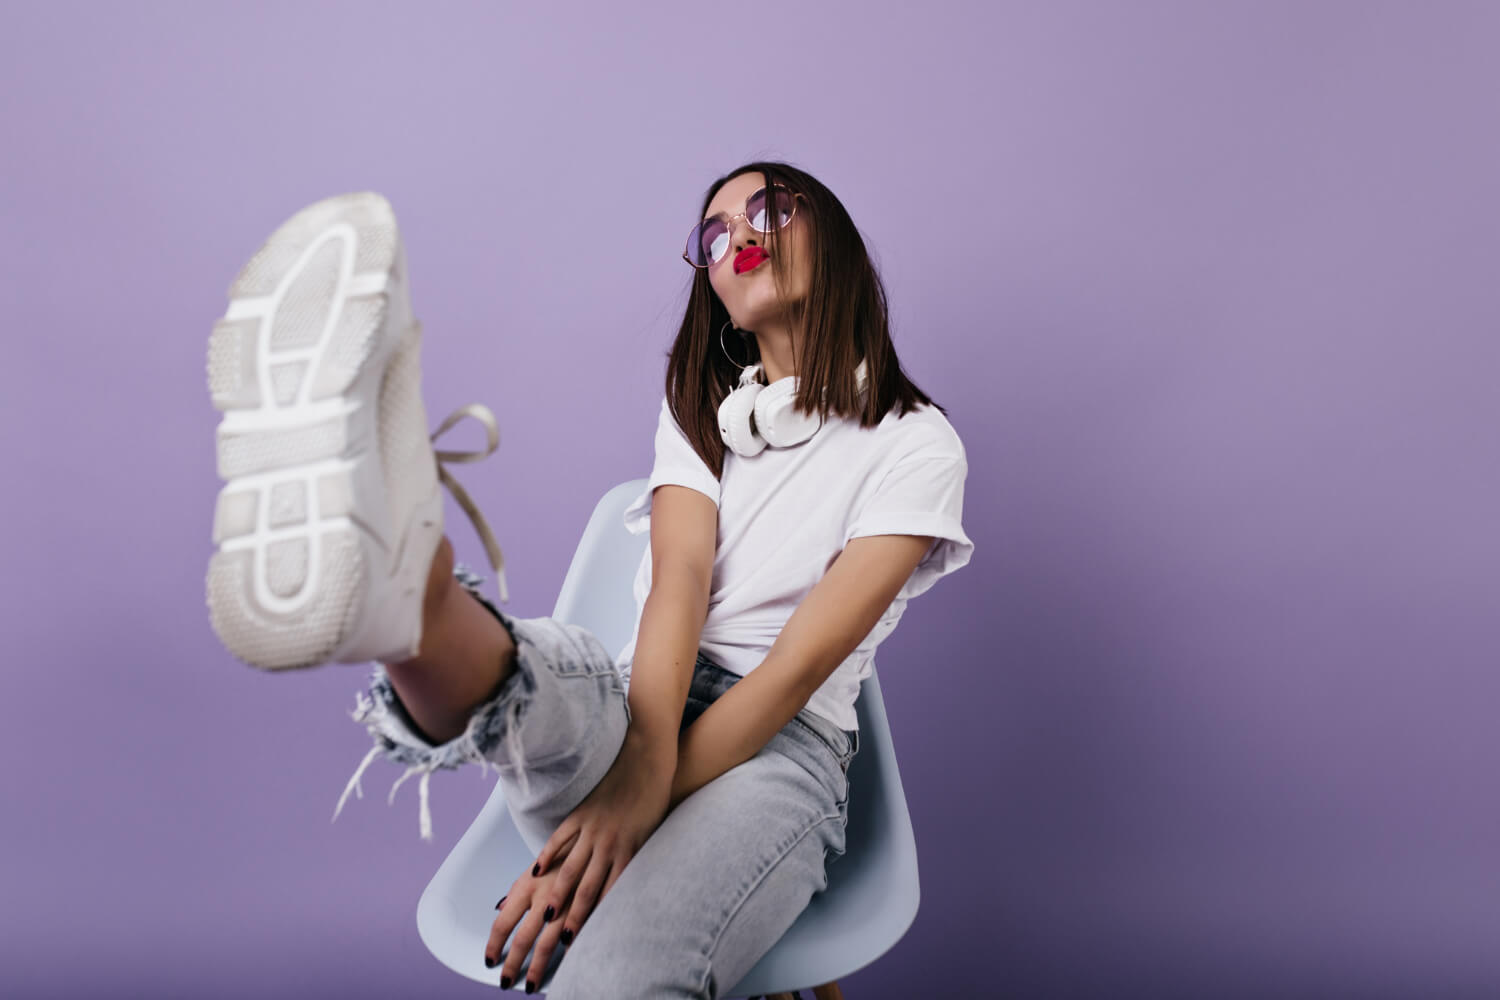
(331,513)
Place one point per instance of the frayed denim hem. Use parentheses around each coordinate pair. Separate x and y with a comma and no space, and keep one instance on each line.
(380,711)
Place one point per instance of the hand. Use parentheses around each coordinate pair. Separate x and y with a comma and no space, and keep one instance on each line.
(521,902)
(599,837)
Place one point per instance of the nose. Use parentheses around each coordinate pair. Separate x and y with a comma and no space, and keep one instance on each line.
(742,234)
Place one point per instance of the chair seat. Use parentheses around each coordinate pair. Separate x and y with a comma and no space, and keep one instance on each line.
(872,892)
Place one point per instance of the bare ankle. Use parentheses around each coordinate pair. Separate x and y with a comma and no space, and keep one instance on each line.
(440,583)
(466,654)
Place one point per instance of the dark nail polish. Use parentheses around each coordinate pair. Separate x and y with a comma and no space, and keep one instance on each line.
(530,986)
(548,915)
(505,982)
(489,963)
(567,935)
(536,869)
(502,902)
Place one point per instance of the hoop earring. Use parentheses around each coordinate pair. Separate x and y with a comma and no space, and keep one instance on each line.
(727,324)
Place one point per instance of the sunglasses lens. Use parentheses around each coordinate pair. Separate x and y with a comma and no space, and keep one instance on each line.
(707,242)
(715,241)
(758,208)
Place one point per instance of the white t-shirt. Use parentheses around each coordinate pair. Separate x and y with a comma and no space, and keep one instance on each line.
(786,513)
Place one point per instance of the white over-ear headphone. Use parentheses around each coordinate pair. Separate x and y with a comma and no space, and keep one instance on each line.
(776,424)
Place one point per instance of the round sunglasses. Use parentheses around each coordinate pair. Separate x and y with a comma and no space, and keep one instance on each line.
(709,240)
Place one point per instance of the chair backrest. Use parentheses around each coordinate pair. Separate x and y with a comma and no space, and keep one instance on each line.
(596,592)
(872,893)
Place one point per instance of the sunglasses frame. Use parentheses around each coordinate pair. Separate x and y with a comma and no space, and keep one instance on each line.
(729,223)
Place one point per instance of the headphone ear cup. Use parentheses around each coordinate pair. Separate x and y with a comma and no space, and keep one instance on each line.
(734,421)
(777,421)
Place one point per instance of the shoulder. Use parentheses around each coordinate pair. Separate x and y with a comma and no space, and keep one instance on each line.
(667,421)
(923,432)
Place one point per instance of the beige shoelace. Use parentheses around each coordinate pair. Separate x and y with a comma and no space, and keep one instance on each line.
(481,413)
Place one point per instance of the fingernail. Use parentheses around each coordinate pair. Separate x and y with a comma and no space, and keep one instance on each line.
(530,986)
(567,935)
(502,902)
(548,915)
(489,963)
(536,869)
(505,982)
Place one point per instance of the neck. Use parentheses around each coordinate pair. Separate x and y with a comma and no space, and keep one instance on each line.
(774,340)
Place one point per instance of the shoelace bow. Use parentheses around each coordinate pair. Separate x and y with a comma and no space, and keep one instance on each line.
(481,413)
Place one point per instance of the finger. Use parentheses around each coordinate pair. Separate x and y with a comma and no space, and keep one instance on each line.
(520,944)
(546,944)
(588,893)
(560,890)
(558,845)
(512,908)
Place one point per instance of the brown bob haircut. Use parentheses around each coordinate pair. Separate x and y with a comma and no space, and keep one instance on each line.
(843,319)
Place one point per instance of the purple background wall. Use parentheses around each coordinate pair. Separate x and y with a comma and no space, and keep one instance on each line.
(1210,293)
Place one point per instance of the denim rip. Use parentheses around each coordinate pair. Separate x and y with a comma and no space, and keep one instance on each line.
(395,734)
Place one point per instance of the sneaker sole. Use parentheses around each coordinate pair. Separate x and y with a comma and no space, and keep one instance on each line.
(295,365)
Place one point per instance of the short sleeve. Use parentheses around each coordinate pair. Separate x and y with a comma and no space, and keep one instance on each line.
(922,494)
(677,464)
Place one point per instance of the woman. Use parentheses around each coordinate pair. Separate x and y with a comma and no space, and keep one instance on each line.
(684,796)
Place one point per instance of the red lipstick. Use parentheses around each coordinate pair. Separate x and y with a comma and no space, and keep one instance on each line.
(748,259)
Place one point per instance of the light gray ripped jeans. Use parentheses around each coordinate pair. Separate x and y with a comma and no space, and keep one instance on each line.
(723,876)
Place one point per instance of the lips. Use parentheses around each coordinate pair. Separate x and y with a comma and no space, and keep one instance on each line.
(747,259)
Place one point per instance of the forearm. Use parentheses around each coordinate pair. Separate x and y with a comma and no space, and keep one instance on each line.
(821,633)
(739,724)
(666,651)
(826,627)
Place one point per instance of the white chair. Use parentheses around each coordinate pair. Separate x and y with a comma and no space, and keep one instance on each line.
(872,892)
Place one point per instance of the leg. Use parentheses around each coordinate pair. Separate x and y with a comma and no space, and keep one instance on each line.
(330,524)
(465,655)
(556,723)
(714,888)
(551,723)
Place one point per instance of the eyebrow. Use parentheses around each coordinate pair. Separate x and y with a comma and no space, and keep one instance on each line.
(724,213)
